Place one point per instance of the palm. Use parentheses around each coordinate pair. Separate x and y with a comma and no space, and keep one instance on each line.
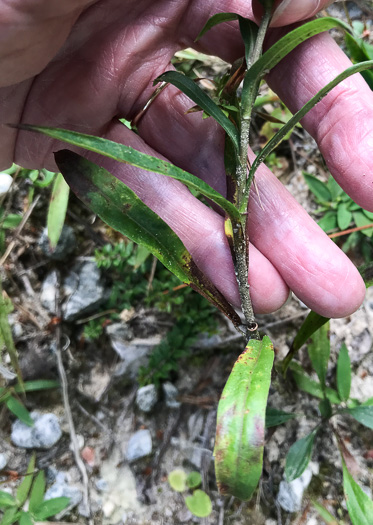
(105,70)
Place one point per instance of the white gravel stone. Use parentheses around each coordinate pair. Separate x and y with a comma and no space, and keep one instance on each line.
(5,182)
(146,398)
(3,461)
(44,434)
(290,495)
(171,394)
(139,446)
(61,488)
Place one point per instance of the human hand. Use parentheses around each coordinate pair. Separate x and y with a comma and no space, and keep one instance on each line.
(81,65)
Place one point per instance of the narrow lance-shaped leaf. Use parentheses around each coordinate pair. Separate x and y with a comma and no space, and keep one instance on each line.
(51,507)
(319,353)
(275,141)
(305,383)
(37,492)
(195,93)
(299,456)
(363,414)
(276,417)
(343,373)
(359,505)
(24,488)
(120,207)
(128,155)
(282,48)
(241,421)
(57,210)
(219,18)
(312,323)
(249,32)
(325,514)
(19,410)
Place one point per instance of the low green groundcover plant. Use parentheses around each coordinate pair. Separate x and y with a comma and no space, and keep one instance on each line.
(242,408)
(28,506)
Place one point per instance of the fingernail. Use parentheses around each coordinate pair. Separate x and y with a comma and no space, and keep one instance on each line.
(290,11)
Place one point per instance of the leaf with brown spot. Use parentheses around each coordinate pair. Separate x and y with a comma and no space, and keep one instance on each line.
(241,421)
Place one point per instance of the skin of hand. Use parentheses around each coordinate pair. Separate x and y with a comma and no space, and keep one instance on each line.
(82,64)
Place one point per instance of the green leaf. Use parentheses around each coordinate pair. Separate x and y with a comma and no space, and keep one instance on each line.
(328,222)
(219,18)
(6,500)
(359,505)
(318,188)
(276,417)
(241,421)
(305,383)
(334,188)
(282,48)
(249,32)
(117,205)
(325,408)
(194,480)
(343,373)
(325,514)
(360,51)
(51,507)
(199,97)
(299,456)
(37,384)
(25,519)
(177,480)
(275,141)
(368,214)
(319,353)
(362,220)
(10,516)
(199,504)
(344,216)
(57,209)
(363,414)
(309,326)
(12,220)
(128,155)
(19,410)
(37,492)
(24,488)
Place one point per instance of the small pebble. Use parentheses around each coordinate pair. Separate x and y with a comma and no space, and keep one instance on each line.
(44,434)
(3,461)
(171,394)
(5,182)
(139,446)
(146,398)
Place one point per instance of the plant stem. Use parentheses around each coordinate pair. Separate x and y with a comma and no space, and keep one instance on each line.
(240,236)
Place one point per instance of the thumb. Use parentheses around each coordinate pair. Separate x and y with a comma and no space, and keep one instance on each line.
(290,11)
